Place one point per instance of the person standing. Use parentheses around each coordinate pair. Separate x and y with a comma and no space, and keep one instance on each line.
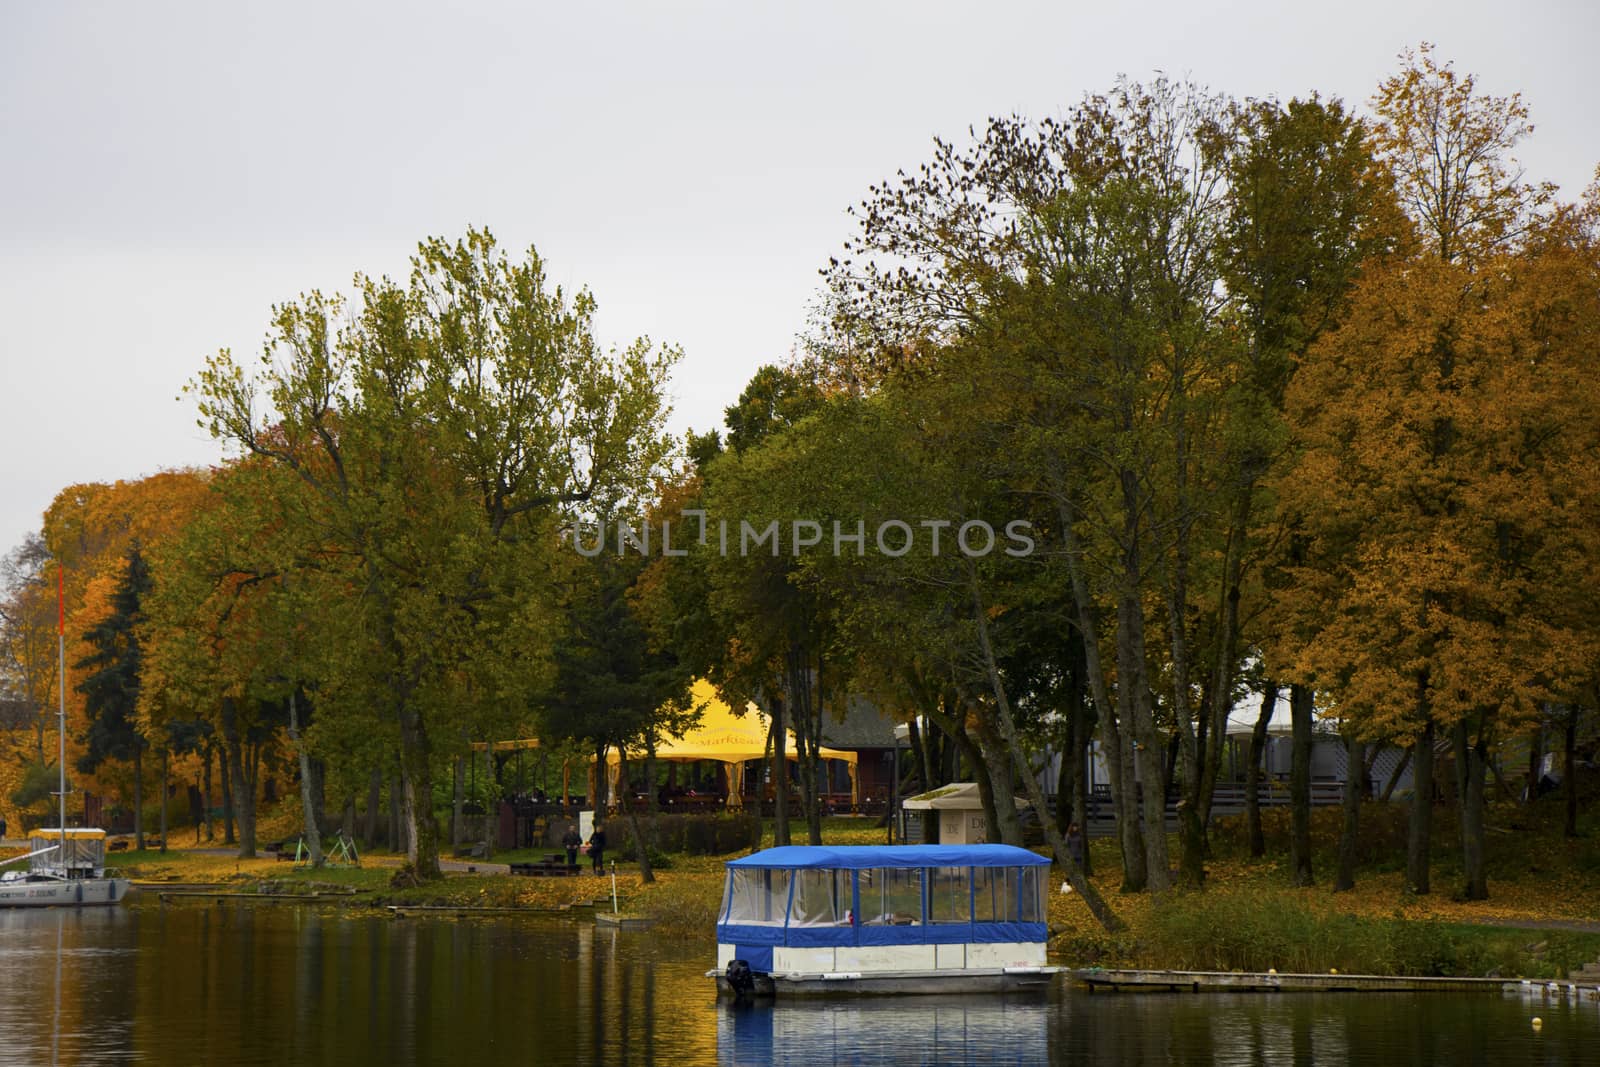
(1075,844)
(570,841)
(2,827)
(597,848)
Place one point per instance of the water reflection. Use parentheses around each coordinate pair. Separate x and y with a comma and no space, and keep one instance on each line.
(242,984)
(1248,1030)
(885,1030)
(264,984)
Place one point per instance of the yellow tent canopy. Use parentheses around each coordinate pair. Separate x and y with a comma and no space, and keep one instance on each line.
(727,738)
(724,736)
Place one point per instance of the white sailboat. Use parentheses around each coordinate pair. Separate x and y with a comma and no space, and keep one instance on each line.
(65,866)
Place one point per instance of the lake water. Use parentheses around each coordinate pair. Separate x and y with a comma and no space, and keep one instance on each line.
(263,984)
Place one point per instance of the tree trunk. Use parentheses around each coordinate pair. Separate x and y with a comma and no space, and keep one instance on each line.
(1149,749)
(227,794)
(1418,842)
(319,794)
(1072,799)
(651,804)
(995,772)
(1354,787)
(1120,750)
(1080,804)
(803,716)
(416,783)
(163,800)
(1252,771)
(1535,758)
(810,722)
(243,769)
(1102,912)
(138,796)
(1301,709)
(458,800)
(949,761)
(1569,771)
(491,802)
(396,839)
(1227,663)
(919,763)
(640,845)
(313,833)
(1119,756)
(1189,740)
(374,798)
(1067,776)
(780,775)
(205,791)
(1394,778)
(1471,761)
(244,797)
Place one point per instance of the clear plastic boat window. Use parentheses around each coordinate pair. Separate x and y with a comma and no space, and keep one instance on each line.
(994,894)
(950,895)
(757,896)
(890,896)
(821,898)
(1030,902)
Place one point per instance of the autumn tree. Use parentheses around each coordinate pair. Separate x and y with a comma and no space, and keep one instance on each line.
(1445,404)
(27,640)
(1449,148)
(1438,404)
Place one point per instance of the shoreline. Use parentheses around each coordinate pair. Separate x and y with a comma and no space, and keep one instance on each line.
(1538,924)
(1223,930)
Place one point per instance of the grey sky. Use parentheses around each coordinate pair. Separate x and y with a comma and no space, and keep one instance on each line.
(171,170)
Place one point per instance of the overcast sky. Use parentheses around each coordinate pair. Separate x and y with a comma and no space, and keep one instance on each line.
(171,170)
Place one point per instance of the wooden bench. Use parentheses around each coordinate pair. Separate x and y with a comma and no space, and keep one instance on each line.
(553,865)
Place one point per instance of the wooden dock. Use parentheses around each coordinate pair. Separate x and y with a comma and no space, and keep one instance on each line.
(400,911)
(251,898)
(1134,981)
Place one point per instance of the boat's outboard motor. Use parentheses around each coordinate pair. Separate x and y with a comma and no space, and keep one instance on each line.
(740,978)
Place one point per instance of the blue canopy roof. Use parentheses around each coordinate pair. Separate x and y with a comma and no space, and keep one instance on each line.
(857,857)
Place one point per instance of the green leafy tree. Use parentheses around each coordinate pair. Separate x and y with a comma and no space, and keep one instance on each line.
(442,434)
(613,686)
(1307,206)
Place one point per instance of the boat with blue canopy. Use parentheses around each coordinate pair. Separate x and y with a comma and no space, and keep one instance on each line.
(883,919)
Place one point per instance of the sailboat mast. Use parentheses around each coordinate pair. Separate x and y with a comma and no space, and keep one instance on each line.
(61,731)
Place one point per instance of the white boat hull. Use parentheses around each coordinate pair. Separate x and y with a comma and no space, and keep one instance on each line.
(55,892)
(869,983)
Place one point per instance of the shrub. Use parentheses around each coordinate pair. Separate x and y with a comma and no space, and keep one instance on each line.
(1252,931)
(695,835)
